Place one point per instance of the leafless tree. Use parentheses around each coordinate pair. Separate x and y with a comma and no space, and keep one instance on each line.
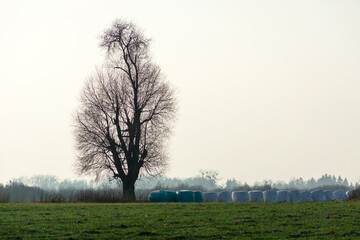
(126,112)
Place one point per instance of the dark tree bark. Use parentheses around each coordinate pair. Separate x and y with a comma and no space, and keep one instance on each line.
(126,112)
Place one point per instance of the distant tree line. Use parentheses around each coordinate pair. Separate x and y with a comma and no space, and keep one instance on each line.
(44,188)
(325,181)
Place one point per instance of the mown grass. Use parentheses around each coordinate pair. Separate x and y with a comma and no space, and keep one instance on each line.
(326,220)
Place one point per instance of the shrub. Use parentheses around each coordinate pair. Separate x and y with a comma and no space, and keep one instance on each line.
(356,195)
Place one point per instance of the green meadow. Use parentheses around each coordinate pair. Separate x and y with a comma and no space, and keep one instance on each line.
(317,220)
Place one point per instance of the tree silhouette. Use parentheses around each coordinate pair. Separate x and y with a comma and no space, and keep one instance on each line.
(126,112)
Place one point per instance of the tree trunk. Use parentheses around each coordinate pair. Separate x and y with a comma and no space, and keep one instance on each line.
(129,191)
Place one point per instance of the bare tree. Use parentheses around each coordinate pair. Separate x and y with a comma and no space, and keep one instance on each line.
(126,112)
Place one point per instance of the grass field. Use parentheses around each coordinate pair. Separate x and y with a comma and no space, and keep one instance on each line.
(320,220)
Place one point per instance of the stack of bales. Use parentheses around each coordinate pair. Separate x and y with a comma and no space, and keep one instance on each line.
(251,196)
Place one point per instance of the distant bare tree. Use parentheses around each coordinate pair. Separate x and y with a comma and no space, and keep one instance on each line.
(126,112)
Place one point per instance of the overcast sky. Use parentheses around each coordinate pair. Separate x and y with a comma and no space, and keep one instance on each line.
(266,89)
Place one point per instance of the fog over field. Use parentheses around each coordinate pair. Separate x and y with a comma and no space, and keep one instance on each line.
(265,89)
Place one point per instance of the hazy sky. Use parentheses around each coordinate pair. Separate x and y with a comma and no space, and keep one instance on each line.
(266,89)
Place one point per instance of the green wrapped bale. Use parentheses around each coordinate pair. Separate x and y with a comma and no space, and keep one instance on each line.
(185,196)
(199,196)
(171,196)
(158,196)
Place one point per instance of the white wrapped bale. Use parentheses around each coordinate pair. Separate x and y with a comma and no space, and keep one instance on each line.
(305,196)
(240,196)
(350,193)
(318,196)
(340,195)
(329,195)
(256,196)
(210,196)
(224,196)
(294,196)
(282,196)
(185,196)
(270,196)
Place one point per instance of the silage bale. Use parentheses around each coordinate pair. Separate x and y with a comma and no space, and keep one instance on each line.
(305,196)
(240,196)
(294,196)
(158,196)
(185,196)
(340,195)
(329,195)
(256,196)
(224,196)
(282,196)
(199,196)
(270,196)
(318,196)
(350,193)
(171,196)
(210,196)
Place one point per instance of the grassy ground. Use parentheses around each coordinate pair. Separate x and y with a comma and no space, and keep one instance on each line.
(338,220)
